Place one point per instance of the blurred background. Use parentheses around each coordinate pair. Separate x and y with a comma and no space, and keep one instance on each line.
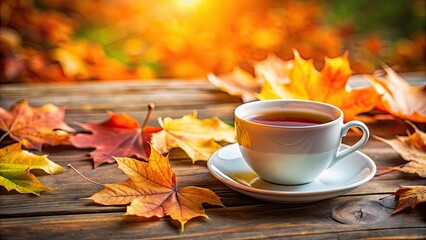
(74,40)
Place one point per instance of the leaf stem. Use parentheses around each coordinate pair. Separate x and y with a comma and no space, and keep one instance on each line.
(14,124)
(4,135)
(81,175)
(150,108)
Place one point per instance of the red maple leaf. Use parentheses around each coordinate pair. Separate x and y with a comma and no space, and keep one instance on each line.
(119,136)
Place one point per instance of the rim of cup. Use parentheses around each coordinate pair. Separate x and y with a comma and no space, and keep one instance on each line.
(238,112)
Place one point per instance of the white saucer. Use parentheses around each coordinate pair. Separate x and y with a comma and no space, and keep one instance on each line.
(228,166)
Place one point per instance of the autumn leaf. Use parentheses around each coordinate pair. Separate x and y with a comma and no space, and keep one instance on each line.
(120,135)
(197,137)
(411,148)
(273,69)
(151,191)
(35,126)
(299,79)
(15,166)
(399,98)
(243,84)
(237,83)
(410,196)
(330,85)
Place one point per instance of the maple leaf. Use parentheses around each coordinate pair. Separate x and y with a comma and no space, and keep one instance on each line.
(237,83)
(330,85)
(411,148)
(399,98)
(241,83)
(299,79)
(151,191)
(410,196)
(120,135)
(35,126)
(197,137)
(15,166)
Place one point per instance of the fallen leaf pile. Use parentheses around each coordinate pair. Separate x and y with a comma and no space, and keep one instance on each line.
(35,126)
(151,191)
(15,169)
(198,138)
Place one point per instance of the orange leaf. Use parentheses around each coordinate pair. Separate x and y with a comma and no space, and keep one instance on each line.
(330,85)
(412,149)
(399,98)
(299,79)
(410,196)
(151,191)
(35,126)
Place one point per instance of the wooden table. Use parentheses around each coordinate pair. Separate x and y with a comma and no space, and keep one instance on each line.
(64,214)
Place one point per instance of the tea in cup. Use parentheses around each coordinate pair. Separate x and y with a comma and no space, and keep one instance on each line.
(292,142)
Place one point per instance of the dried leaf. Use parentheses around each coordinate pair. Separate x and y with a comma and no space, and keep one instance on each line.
(120,135)
(410,196)
(15,166)
(151,191)
(330,85)
(399,98)
(237,83)
(299,79)
(411,148)
(35,126)
(243,84)
(198,138)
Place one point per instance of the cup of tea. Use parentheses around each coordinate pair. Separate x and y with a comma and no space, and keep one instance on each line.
(292,142)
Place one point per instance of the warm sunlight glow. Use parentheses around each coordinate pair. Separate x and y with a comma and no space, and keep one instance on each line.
(188,3)
(62,40)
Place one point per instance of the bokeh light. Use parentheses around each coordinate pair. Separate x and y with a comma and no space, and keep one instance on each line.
(64,40)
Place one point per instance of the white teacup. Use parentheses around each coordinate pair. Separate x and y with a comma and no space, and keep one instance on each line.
(292,142)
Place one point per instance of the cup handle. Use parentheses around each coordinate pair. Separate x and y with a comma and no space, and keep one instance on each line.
(357,145)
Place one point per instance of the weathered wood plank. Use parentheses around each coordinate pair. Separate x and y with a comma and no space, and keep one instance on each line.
(125,102)
(71,187)
(256,221)
(62,213)
(223,111)
(115,95)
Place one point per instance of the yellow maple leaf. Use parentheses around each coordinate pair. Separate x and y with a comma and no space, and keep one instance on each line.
(15,166)
(197,137)
(330,85)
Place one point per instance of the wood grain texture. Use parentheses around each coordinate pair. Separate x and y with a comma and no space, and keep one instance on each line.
(64,213)
(254,221)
